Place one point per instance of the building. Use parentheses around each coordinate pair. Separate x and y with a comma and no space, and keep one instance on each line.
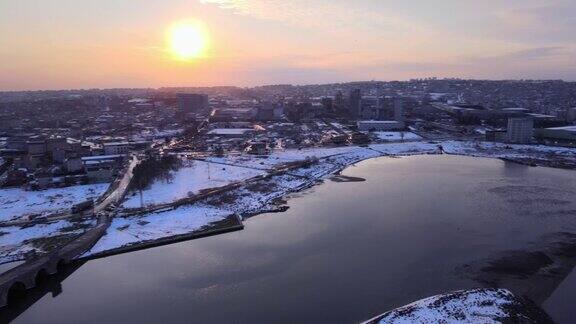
(192,102)
(123,148)
(257,148)
(354,102)
(496,136)
(102,168)
(381,108)
(117,148)
(379,125)
(100,171)
(265,111)
(568,115)
(74,164)
(339,102)
(520,130)
(398,110)
(36,147)
(562,136)
(232,132)
(327,104)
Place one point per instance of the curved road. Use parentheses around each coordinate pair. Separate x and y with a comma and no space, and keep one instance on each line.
(113,197)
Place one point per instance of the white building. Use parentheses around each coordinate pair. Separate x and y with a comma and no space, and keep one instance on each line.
(117,148)
(520,130)
(231,132)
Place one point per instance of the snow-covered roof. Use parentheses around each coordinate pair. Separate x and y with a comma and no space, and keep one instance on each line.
(377,122)
(565,128)
(230,131)
(101,157)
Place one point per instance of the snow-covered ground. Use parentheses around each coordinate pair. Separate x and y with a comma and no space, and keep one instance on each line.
(15,203)
(191,179)
(15,241)
(153,226)
(490,149)
(257,197)
(283,156)
(397,136)
(471,306)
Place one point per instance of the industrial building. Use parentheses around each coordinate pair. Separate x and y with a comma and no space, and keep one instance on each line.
(379,125)
(562,136)
(520,130)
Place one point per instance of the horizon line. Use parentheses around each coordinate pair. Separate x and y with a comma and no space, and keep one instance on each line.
(2,91)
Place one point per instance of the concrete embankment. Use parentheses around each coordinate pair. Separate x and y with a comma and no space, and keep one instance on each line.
(231,224)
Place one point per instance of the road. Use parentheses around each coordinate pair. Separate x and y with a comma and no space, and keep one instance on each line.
(117,195)
(113,197)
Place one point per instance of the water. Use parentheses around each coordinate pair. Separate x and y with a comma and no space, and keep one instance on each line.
(342,253)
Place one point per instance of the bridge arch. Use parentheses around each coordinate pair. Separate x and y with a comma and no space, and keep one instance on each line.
(61,264)
(41,276)
(16,292)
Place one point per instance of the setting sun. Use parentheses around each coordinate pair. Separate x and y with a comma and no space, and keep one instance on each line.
(188,40)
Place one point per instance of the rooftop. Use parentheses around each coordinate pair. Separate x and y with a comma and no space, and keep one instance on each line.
(230,131)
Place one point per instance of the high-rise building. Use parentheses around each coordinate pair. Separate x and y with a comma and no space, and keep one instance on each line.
(192,102)
(398,109)
(339,102)
(520,130)
(354,101)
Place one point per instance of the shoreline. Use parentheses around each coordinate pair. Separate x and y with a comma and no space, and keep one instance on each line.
(216,228)
(328,168)
(345,157)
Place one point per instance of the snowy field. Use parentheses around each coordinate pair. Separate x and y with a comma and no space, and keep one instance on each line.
(15,203)
(183,220)
(282,156)
(191,179)
(397,136)
(472,306)
(249,199)
(15,241)
(489,149)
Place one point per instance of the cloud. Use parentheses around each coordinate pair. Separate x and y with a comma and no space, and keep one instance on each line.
(327,16)
(552,22)
(531,54)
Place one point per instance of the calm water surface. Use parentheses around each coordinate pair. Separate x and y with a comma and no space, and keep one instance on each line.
(343,252)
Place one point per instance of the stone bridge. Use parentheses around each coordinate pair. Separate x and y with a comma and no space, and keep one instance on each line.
(28,275)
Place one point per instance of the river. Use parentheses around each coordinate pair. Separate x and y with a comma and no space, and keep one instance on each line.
(342,253)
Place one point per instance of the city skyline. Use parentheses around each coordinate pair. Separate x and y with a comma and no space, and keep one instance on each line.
(65,44)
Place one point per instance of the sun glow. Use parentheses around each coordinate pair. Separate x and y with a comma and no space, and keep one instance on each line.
(188,40)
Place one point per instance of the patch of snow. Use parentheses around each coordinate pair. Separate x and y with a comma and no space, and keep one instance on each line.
(472,306)
(15,203)
(197,176)
(15,241)
(183,220)
(397,136)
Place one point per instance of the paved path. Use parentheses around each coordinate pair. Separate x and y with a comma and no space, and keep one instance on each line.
(113,197)
(117,195)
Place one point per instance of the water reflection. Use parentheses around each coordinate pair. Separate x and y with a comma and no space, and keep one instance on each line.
(344,252)
(52,284)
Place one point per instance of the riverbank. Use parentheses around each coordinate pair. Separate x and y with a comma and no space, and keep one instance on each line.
(267,192)
(471,306)
(229,224)
(359,248)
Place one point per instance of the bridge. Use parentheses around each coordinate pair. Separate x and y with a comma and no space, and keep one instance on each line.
(27,275)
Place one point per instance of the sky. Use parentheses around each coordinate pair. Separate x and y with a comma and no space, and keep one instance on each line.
(63,44)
